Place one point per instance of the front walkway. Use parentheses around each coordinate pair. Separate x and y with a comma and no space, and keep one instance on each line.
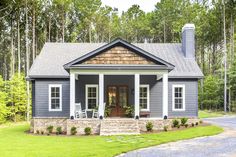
(222,145)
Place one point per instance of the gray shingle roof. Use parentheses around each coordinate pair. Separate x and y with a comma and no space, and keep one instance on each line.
(54,55)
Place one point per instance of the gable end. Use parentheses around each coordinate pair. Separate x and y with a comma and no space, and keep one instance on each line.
(119,52)
(118,55)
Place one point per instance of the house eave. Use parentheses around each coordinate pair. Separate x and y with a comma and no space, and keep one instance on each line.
(187,77)
(121,67)
(32,77)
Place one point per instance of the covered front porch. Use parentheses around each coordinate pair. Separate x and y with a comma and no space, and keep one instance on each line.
(120,94)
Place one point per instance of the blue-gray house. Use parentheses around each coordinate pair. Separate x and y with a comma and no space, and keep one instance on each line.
(154,80)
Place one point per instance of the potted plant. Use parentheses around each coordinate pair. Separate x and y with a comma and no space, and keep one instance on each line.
(129,111)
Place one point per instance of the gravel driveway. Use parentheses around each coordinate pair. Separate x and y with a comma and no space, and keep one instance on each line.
(222,145)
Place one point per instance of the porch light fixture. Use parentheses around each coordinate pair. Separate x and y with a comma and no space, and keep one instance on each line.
(72,117)
(101,117)
(132,91)
(137,117)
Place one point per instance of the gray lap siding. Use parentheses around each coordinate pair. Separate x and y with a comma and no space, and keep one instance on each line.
(191,98)
(41,107)
(155,88)
(40,89)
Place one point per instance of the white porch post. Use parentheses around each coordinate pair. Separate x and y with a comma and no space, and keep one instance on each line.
(72,95)
(101,95)
(165,95)
(136,94)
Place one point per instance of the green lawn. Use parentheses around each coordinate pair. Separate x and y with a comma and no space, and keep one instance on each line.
(210,114)
(15,143)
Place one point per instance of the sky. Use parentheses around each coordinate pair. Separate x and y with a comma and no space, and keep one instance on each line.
(123,5)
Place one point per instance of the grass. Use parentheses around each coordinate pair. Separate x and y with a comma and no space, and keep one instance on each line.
(210,114)
(14,142)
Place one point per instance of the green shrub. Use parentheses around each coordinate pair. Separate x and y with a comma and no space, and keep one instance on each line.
(165,128)
(42,132)
(149,126)
(178,126)
(59,130)
(196,123)
(107,111)
(175,122)
(73,130)
(87,131)
(186,125)
(183,121)
(50,129)
(192,124)
(200,121)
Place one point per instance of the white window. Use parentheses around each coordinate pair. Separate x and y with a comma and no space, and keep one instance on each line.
(55,97)
(91,96)
(178,97)
(144,97)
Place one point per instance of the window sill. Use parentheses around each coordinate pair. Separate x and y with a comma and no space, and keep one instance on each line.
(57,110)
(178,110)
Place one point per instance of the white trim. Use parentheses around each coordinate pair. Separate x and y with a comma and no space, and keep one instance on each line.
(159,77)
(148,96)
(136,94)
(49,97)
(72,94)
(165,95)
(101,95)
(118,72)
(173,96)
(86,94)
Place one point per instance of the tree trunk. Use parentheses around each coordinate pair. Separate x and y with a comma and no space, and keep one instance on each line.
(203,59)
(213,58)
(49,29)
(12,51)
(63,27)
(225,60)
(33,34)
(12,57)
(18,47)
(90,34)
(27,58)
(164,31)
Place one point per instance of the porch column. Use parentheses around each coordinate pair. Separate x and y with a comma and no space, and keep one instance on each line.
(136,95)
(165,95)
(72,95)
(101,95)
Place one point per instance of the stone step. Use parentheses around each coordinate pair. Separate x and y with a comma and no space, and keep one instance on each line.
(119,127)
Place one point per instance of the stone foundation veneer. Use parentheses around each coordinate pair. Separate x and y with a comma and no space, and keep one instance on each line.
(81,124)
(41,124)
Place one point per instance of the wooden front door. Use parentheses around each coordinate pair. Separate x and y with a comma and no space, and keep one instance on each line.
(117,98)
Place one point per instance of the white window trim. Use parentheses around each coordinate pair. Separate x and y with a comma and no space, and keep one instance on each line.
(86,95)
(49,96)
(148,96)
(173,97)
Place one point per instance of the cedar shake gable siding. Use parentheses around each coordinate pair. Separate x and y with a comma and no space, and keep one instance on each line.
(118,55)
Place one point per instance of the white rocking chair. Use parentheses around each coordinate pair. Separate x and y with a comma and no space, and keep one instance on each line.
(95,112)
(79,113)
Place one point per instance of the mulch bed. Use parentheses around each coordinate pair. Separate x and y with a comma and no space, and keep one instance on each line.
(175,128)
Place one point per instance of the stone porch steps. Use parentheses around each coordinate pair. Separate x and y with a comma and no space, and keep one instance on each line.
(119,127)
